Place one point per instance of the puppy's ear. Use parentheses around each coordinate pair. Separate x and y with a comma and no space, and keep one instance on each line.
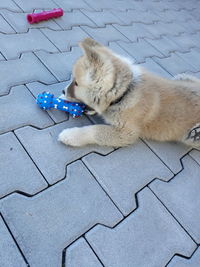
(90,42)
(90,51)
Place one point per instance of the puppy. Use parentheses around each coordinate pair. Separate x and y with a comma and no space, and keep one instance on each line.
(133,102)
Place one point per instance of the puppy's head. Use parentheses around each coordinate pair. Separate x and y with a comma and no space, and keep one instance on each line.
(97,76)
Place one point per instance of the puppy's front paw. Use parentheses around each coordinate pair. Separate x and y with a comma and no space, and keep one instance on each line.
(74,137)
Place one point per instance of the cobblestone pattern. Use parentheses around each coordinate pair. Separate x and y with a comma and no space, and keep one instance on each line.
(93,206)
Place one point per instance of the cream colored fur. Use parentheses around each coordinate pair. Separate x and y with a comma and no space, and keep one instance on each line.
(154,107)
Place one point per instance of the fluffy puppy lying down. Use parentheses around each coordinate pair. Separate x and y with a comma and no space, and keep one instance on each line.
(133,102)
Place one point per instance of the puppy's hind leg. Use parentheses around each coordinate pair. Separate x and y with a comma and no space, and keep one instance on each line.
(186,77)
(192,138)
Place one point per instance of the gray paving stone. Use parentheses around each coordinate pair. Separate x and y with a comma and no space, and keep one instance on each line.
(69,5)
(19,23)
(170,153)
(9,253)
(133,32)
(31,69)
(160,28)
(56,89)
(48,222)
(121,175)
(26,111)
(4,26)
(1,57)
(115,47)
(140,50)
(101,18)
(33,40)
(192,57)
(64,40)
(104,4)
(191,26)
(174,64)
(74,18)
(30,6)
(105,35)
(60,64)
(10,4)
(174,15)
(51,156)
(18,173)
(130,16)
(181,197)
(148,237)
(81,255)
(186,41)
(178,261)
(195,154)
(165,45)
(152,66)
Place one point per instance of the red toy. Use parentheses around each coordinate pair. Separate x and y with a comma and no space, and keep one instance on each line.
(45,15)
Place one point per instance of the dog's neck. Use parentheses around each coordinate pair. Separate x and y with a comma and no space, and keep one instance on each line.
(136,70)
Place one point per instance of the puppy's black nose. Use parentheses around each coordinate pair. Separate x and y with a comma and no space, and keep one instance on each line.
(63,91)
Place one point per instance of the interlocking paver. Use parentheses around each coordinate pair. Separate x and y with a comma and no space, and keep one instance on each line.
(23,175)
(152,66)
(80,254)
(60,64)
(9,253)
(11,5)
(4,26)
(19,23)
(178,261)
(195,154)
(69,5)
(26,111)
(122,182)
(64,40)
(191,26)
(140,50)
(165,45)
(148,237)
(133,32)
(104,4)
(181,197)
(174,15)
(19,71)
(74,18)
(170,153)
(105,35)
(115,47)
(56,89)
(33,40)
(130,16)
(101,18)
(192,57)
(30,6)
(175,64)
(50,155)
(45,224)
(186,41)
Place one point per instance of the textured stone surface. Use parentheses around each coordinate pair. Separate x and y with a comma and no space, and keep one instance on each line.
(140,50)
(19,23)
(181,196)
(64,40)
(170,153)
(80,254)
(45,224)
(177,261)
(154,67)
(33,40)
(4,26)
(29,6)
(195,154)
(122,182)
(70,5)
(30,68)
(18,172)
(26,111)
(105,35)
(56,89)
(148,237)
(60,64)
(9,253)
(50,155)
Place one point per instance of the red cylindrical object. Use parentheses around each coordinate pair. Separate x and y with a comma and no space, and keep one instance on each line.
(45,15)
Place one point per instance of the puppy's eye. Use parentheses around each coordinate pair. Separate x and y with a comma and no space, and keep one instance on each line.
(76,83)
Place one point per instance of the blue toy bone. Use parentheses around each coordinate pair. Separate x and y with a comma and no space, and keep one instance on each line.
(47,101)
